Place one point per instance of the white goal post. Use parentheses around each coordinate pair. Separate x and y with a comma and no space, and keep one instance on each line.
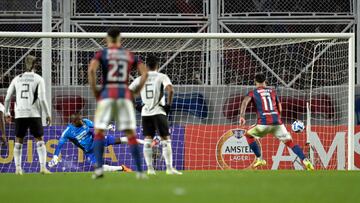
(279,40)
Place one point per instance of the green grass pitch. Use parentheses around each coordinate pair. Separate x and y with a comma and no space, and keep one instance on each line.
(193,186)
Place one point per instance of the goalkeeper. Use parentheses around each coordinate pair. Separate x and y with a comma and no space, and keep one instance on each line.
(80,134)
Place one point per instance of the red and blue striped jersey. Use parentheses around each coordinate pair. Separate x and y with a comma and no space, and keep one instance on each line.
(116,64)
(266,103)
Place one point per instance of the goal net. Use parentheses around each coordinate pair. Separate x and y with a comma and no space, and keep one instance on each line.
(312,74)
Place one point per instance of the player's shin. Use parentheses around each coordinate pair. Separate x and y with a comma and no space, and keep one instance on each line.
(41,151)
(296,149)
(148,153)
(253,145)
(17,156)
(135,151)
(167,153)
(99,140)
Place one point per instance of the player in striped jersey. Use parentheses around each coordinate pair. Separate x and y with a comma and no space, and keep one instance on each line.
(115,98)
(30,102)
(268,108)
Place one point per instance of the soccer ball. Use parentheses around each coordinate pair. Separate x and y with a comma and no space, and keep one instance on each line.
(297,126)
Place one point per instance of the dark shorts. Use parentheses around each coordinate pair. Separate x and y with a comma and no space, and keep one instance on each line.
(151,124)
(23,124)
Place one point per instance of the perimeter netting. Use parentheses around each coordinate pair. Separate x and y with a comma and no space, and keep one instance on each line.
(207,100)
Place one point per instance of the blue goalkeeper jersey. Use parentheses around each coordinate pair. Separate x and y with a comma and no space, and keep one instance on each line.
(82,137)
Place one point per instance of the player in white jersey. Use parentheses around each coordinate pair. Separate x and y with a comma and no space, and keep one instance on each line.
(3,140)
(154,113)
(30,101)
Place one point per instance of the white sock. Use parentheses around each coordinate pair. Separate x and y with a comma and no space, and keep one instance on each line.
(124,140)
(148,153)
(41,151)
(17,155)
(167,153)
(108,168)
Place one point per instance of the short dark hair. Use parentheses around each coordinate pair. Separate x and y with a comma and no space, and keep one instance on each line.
(260,77)
(152,61)
(113,33)
(74,116)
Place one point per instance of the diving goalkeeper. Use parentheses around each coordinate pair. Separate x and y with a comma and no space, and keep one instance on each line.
(80,134)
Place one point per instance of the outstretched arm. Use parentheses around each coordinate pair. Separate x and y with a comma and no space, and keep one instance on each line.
(244,104)
(63,139)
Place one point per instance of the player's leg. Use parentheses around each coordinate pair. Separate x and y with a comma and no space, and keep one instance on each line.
(250,135)
(127,122)
(111,140)
(20,132)
(162,126)
(149,133)
(283,135)
(102,119)
(37,130)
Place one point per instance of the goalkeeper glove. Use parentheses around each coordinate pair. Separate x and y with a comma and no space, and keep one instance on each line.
(54,161)
(166,108)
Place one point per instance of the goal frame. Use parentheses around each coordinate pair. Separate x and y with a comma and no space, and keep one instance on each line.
(215,36)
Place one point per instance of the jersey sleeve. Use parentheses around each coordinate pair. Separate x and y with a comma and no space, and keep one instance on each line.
(89,123)
(63,139)
(134,84)
(250,94)
(166,81)
(98,55)
(42,96)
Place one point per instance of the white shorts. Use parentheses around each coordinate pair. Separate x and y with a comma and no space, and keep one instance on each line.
(120,110)
(279,131)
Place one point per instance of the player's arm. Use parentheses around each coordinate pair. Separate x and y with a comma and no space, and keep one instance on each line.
(9,93)
(243,107)
(3,139)
(278,104)
(63,139)
(170,93)
(43,102)
(93,66)
(144,75)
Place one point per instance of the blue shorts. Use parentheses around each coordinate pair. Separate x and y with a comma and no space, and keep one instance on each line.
(90,156)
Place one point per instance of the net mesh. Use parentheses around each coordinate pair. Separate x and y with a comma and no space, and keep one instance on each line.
(204,117)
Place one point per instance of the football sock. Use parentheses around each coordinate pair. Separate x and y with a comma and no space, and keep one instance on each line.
(99,141)
(253,145)
(296,149)
(124,140)
(167,153)
(148,153)
(41,151)
(135,152)
(17,154)
(108,168)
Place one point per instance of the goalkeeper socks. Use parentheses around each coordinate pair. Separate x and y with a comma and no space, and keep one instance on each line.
(41,151)
(17,155)
(148,153)
(135,152)
(167,153)
(296,149)
(99,141)
(108,168)
(253,145)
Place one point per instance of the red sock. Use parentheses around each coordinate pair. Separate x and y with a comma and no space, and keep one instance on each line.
(132,140)
(290,144)
(99,136)
(249,138)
